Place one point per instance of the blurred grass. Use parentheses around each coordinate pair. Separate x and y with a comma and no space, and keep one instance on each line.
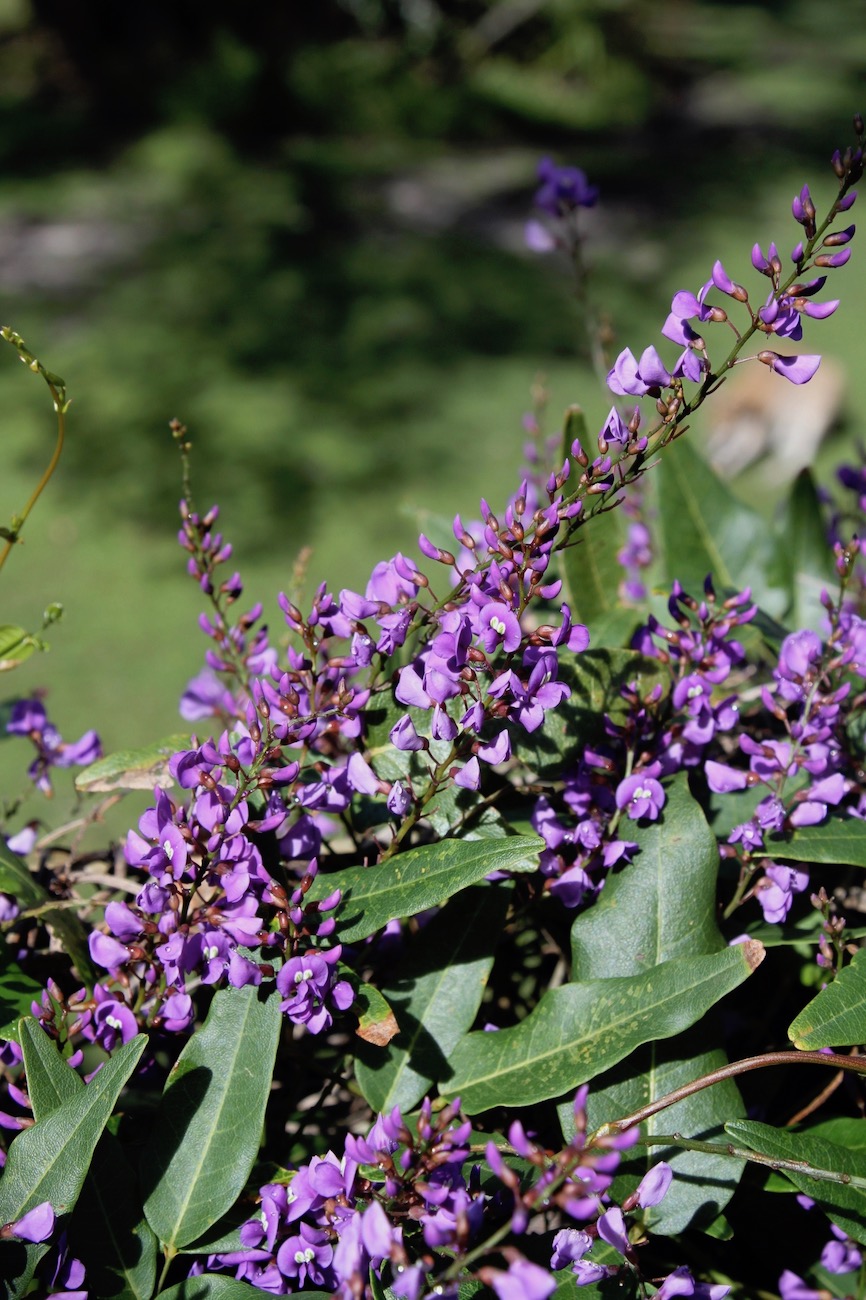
(311,254)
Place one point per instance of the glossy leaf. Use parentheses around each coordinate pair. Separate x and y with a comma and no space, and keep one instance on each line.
(420,878)
(576,1032)
(50,1081)
(435,993)
(836,1017)
(49,1161)
(844,1202)
(113,1241)
(660,909)
(208,1127)
(839,840)
(133,769)
(703,529)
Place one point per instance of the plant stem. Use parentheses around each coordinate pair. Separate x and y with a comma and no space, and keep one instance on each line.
(832,1059)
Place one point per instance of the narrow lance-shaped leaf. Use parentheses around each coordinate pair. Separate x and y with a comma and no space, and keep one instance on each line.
(133,769)
(112,1239)
(836,1017)
(841,1191)
(49,1161)
(703,529)
(837,840)
(208,1127)
(421,878)
(807,554)
(576,1032)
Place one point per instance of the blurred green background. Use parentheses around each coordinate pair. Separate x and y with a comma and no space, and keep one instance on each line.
(298,228)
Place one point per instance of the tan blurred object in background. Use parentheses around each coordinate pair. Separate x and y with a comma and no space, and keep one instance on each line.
(757,415)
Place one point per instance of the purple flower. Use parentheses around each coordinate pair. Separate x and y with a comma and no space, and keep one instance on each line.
(562,189)
(776,889)
(629,376)
(797,369)
(523,1281)
(307,983)
(641,796)
(35,1226)
(308,1255)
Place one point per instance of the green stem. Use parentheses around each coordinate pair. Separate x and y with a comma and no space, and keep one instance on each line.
(744,1153)
(20,520)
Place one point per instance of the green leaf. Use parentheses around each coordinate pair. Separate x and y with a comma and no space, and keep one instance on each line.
(592,577)
(17,991)
(844,1202)
(49,1161)
(133,769)
(111,1236)
(418,879)
(208,1127)
(576,1032)
(50,1081)
(15,879)
(661,908)
(836,1017)
(216,1286)
(807,555)
(16,645)
(703,529)
(839,840)
(435,992)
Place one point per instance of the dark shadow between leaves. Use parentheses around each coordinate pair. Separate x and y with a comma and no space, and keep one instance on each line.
(180,1104)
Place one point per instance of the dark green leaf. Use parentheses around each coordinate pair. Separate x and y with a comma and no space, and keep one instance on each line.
(596,678)
(50,1081)
(217,1286)
(836,1017)
(660,907)
(49,1161)
(576,1032)
(840,840)
(435,993)
(844,1202)
(592,578)
(703,529)
(17,991)
(418,879)
(111,1237)
(807,555)
(208,1127)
